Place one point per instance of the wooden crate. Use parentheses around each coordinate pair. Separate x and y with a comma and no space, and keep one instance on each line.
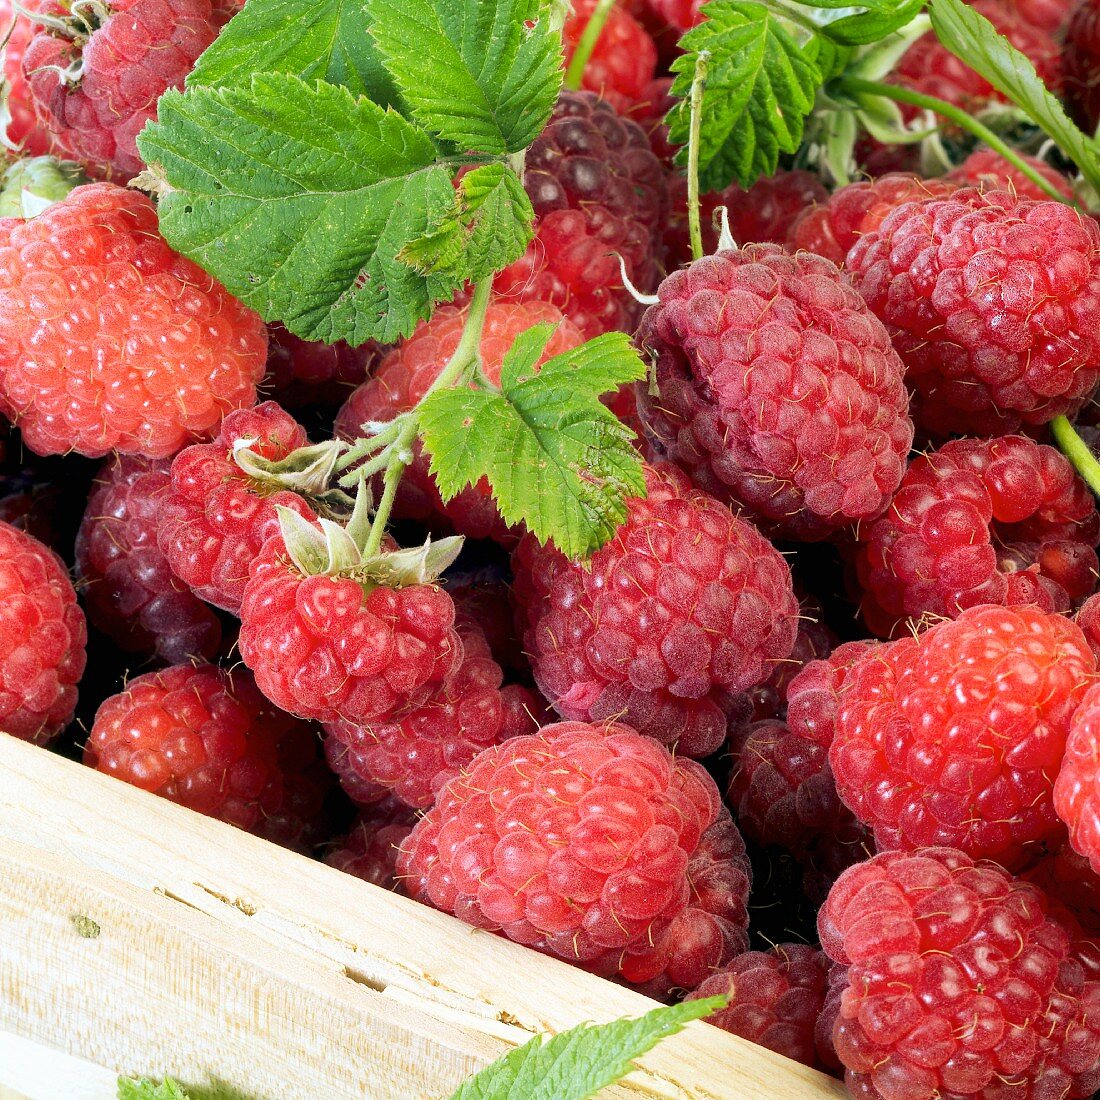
(138,937)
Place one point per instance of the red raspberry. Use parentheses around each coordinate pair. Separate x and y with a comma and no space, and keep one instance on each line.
(1066,877)
(649,110)
(622,62)
(42,639)
(370,850)
(305,372)
(960,983)
(989,170)
(814,694)
(591,843)
(1003,521)
(955,737)
(109,339)
(129,588)
(403,377)
(23,130)
(775,998)
(832,227)
(598,194)
(680,14)
(993,303)
(96,83)
(776,389)
(1077,792)
(1051,16)
(685,606)
(1088,619)
(207,739)
(482,597)
(1081,60)
(214,518)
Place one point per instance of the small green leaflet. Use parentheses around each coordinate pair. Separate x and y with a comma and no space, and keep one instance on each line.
(861,28)
(557,459)
(760,87)
(482,74)
(579,1062)
(298,198)
(133,1088)
(972,38)
(314,39)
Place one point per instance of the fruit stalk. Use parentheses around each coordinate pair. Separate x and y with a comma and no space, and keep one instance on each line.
(1077,451)
(698,86)
(592,31)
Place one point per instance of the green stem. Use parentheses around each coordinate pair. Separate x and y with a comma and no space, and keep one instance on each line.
(1077,451)
(854,86)
(591,35)
(698,85)
(368,445)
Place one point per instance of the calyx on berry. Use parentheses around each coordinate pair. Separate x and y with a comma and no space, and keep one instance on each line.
(32,184)
(306,471)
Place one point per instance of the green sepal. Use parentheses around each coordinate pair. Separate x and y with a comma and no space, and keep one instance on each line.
(306,471)
(33,184)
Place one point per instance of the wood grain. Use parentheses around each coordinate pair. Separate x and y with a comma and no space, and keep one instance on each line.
(230,963)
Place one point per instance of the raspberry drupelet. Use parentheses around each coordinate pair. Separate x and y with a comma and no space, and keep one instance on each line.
(1077,792)
(594,844)
(776,389)
(685,607)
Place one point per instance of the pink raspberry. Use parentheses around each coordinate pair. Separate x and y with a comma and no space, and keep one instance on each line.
(989,170)
(777,389)
(109,340)
(1003,521)
(959,983)
(594,844)
(24,130)
(129,588)
(685,606)
(624,59)
(370,850)
(955,736)
(214,517)
(775,998)
(42,639)
(1077,792)
(993,303)
(95,84)
(305,372)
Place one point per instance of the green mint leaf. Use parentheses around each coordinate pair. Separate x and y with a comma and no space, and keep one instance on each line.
(579,1062)
(482,74)
(135,1088)
(872,25)
(760,87)
(314,39)
(298,197)
(557,459)
(973,39)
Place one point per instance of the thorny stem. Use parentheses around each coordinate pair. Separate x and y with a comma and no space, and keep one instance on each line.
(698,85)
(592,30)
(1077,451)
(954,114)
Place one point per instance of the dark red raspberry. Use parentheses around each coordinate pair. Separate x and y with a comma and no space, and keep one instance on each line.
(403,377)
(305,372)
(1081,62)
(23,129)
(993,303)
(649,110)
(775,998)
(215,518)
(685,606)
(955,736)
(109,340)
(832,227)
(960,983)
(483,598)
(624,59)
(1067,878)
(989,170)
(207,739)
(814,694)
(1003,521)
(370,850)
(95,77)
(129,588)
(592,843)
(598,194)
(42,639)
(777,389)
(1077,792)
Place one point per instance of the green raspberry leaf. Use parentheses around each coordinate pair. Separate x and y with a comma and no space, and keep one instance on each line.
(314,39)
(134,1088)
(482,74)
(298,197)
(760,87)
(871,25)
(557,459)
(579,1062)
(972,38)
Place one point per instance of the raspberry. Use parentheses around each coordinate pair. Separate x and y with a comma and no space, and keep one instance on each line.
(214,517)
(591,843)
(109,339)
(1003,521)
(1077,792)
(207,739)
(650,110)
(993,303)
(1045,15)
(955,737)
(24,130)
(483,598)
(95,84)
(680,14)
(960,983)
(1088,619)
(370,850)
(1081,60)
(831,228)
(686,605)
(814,694)
(777,389)
(129,589)
(42,639)
(989,170)
(598,194)
(403,377)
(775,998)
(622,62)
(304,372)
(1067,878)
